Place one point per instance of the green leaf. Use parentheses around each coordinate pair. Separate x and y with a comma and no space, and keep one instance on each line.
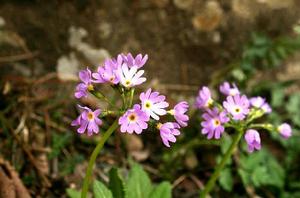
(163,190)
(226,180)
(138,184)
(297,29)
(101,191)
(246,177)
(260,176)
(116,184)
(261,168)
(72,193)
(277,97)
(292,107)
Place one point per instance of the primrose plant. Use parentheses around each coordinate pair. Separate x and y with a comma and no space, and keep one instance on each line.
(123,74)
(239,112)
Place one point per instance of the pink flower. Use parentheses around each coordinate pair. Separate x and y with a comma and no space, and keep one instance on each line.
(179,113)
(260,103)
(204,99)
(168,131)
(285,130)
(86,84)
(213,123)
(108,72)
(139,61)
(153,104)
(88,120)
(253,140)
(237,106)
(134,120)
(227,90)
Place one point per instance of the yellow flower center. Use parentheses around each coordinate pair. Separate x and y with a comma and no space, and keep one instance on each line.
(90,87)
(237,110)
(127,83)
(132,117)
(216,122)
(148,104)
(158,126)
(90,115)
(209,103)
(171,112)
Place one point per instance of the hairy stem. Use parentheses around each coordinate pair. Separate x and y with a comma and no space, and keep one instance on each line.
(101,96)
(131,97)
(93,157)
(211,182)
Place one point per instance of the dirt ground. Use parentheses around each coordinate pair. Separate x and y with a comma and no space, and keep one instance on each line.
(186,40)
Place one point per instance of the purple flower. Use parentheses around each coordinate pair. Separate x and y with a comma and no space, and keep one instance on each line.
(285,130)
(153,104)
(86,84)
(203,99)
(229,91)
(130,77)
(260,103)
(134,120)
(266,108)
(139,61)
(179,113)
(168,131)
(88,120)
(253,140)
(237,106)
(213,123)
(108,72)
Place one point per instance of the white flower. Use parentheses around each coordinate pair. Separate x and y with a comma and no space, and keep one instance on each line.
(130,77)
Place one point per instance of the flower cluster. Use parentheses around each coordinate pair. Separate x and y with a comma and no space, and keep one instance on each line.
(123,74)
(237,111)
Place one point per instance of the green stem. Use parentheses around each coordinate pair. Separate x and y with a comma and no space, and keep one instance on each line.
(101,96)
(211,183)
(131,97)
(93,157)
(266,126)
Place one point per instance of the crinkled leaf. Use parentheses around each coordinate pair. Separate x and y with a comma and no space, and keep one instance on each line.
(116,184)
(261,168)
(277,97)
(163,190)
(226,180)
(101,191)
(138,184)
(72,193)
(246,177)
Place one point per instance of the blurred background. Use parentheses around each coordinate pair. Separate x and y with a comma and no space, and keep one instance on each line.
(190,43)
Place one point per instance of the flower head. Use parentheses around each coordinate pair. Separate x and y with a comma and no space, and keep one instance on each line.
(153,104)
(108,72)
(130,77)
(260,103)
(168,131)
(253,140)
(86,84)
(285,130)
(88,120)
(134,120)
(213,123)
(139,61)
(229,91)
(237,106)
(266,108)
(179,113)
(204,99)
